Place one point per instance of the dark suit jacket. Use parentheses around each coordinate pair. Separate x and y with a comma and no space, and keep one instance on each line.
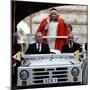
(33,50)
(86,46)
(67,49)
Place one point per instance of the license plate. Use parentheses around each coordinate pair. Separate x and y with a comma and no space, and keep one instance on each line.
(50,80)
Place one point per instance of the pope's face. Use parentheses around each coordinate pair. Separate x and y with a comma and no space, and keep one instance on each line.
(53,15)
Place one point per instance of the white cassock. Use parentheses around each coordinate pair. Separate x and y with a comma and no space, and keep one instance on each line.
(52,31)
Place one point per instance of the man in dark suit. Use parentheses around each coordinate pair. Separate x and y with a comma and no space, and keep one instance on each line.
(38,47)
(71,46)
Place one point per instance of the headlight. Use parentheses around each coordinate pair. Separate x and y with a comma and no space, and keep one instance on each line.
(75,71)
(24,74)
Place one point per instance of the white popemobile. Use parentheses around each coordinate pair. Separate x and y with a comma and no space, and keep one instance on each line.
(48,69)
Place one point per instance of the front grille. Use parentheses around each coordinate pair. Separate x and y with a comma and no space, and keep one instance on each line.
(59,76)
(40,77)
(62,68)
(39,69)
(40,74)
(60,72)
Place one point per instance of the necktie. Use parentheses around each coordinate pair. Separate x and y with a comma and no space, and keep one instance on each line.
(38,47)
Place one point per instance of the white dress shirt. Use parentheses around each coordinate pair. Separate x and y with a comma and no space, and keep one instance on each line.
(70,45)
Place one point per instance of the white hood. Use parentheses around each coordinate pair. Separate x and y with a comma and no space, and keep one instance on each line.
(48,59)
